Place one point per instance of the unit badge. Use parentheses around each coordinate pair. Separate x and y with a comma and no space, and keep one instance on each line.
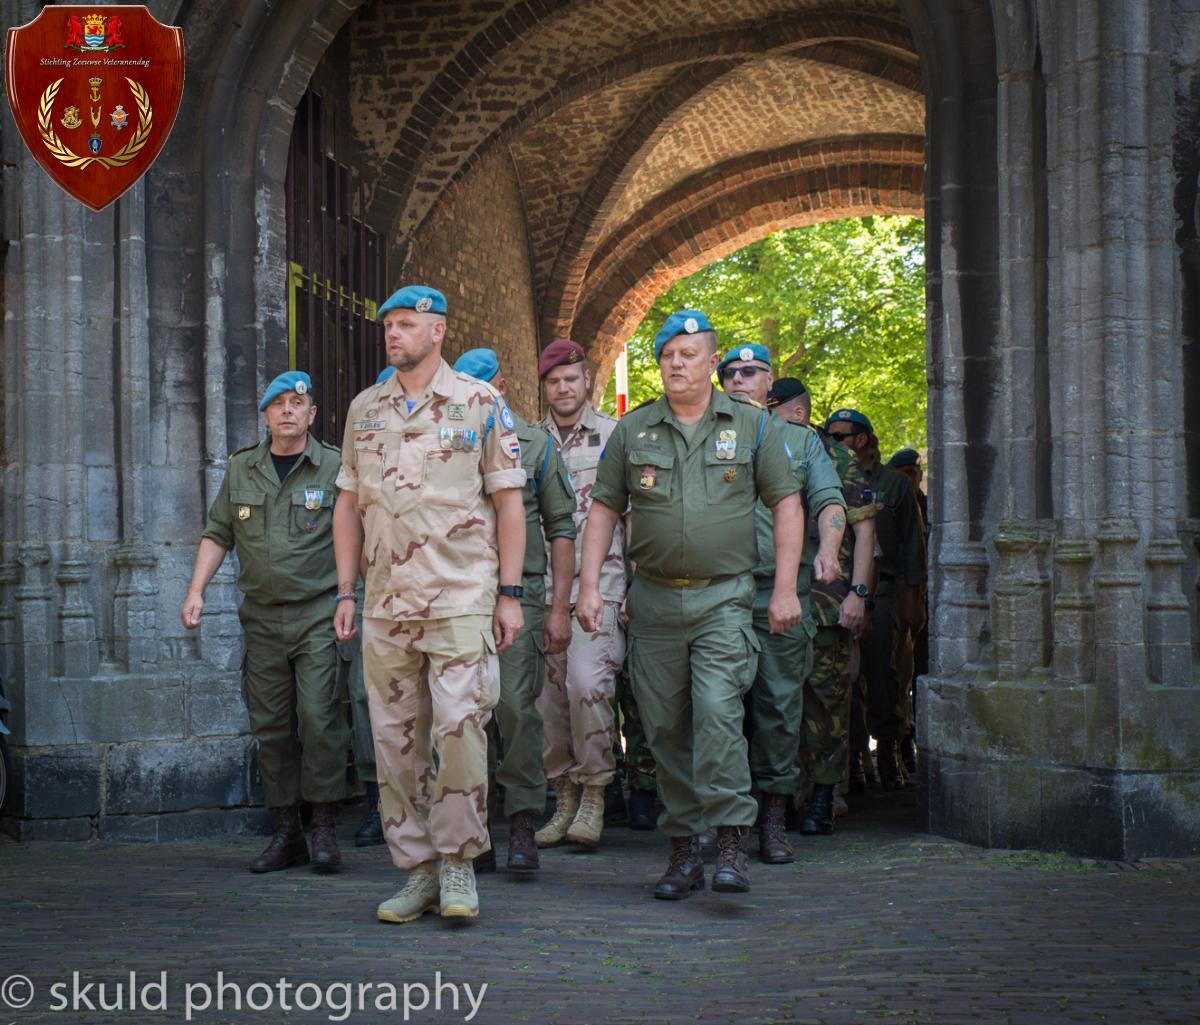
(243,512)
(117,61)
(456,411)
(649,477)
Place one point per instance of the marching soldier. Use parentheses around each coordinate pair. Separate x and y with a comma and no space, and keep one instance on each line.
(691,466)
(898,594)
(839,610)
(431,478)
(549,513)
(778,692)
(275,507)
(578,700)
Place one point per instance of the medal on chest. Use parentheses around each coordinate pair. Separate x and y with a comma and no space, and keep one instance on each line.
(726,445)
(312,498)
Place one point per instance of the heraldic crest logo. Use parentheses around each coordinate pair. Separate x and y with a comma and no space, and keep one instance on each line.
(94,93)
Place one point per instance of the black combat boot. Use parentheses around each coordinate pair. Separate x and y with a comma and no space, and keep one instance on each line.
(685,871)
(370,831)
(818,816)
(732,870)
(773,847)
(615,812)
(522,848)
(889,768)
(641,809)
(325,854)
(858,777)
(287,846)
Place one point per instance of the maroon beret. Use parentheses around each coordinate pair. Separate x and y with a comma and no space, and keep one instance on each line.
(559,353)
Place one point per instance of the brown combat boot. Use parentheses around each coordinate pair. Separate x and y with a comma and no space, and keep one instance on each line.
(522,848)
(325,854)
(731,875)
(773,847)
(287,846)
(685,871)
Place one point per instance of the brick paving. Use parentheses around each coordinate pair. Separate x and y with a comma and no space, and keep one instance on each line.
(878,923)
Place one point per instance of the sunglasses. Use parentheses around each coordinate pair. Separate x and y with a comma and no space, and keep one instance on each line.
(746,372)
(842,435)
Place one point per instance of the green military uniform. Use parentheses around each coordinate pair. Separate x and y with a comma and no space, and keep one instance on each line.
(784,663)
(691,490)
(549,512)
(899,533)
(283,533)
(824,746)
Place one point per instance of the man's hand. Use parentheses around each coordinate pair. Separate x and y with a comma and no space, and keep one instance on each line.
(193,605)
(853,615)
(343,620)
(556,636)
(589,610)
(826,567)
(507,622)
(783,611)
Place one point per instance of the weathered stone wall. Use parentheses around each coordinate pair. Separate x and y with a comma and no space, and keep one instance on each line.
(475,249)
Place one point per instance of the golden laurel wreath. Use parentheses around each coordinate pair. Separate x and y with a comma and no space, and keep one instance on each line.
(125,154)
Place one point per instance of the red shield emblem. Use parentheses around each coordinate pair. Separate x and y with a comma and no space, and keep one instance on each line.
(94,91)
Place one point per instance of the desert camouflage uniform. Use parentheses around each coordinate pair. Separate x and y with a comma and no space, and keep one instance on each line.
(577,702)
(429,657)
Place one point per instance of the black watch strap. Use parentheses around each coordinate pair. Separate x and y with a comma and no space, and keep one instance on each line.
(862,590)
(511,592)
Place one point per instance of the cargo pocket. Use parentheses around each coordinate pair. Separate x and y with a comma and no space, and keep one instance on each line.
(753,647)
(487,675)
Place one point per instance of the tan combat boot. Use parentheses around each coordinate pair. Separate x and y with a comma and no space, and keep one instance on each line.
(420,894)
(566,803)
(589,819)
(457,879)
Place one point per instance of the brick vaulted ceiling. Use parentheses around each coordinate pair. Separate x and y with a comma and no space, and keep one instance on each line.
(648,138)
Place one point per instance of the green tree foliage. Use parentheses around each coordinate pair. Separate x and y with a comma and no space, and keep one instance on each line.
(841,305)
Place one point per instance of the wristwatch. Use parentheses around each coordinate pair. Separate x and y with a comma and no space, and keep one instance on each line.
(862,590)
(511,592)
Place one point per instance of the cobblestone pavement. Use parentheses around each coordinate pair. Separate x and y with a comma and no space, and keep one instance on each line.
(878,923)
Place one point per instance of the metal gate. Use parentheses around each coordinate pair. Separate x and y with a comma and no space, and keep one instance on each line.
(337,267)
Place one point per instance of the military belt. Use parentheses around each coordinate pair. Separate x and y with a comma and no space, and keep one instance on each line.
(682,582)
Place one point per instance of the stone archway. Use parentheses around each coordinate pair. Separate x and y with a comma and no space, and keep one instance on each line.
(550,163)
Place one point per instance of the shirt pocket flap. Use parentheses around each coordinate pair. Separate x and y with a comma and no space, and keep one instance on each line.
(648,457)
(246,496)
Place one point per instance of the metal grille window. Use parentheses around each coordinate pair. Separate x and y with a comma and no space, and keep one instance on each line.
(337,265)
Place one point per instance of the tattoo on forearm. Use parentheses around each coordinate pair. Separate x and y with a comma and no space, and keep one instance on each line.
(837,521)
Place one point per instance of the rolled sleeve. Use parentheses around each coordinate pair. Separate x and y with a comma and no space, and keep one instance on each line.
(499,480)
(773,476)
(219,526)
(347,478)
(611,488)
(824,487)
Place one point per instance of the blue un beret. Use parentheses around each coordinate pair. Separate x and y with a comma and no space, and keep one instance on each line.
(479,363)
(684,322)
(385,374)
(414,297)
(745,353)
(848,416)
(294,380)
(905,457)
